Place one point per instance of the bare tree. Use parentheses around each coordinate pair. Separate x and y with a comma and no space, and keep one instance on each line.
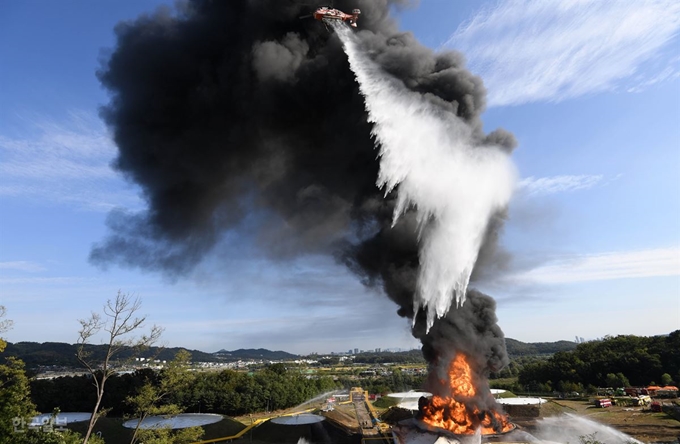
(121,325)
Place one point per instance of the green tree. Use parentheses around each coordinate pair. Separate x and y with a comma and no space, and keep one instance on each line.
(168,436)
(120,324)
(616,380)
(16,408)
(666,379)
(151,399)
(15,400)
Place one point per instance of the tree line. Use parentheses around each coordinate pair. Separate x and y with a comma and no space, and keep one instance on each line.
(613,361)
(227,392)
(404,357)
(517,348)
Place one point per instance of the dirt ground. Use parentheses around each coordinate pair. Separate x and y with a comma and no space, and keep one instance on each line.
(344,416)
(643,425)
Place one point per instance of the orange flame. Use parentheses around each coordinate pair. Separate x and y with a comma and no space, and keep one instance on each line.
(457,412)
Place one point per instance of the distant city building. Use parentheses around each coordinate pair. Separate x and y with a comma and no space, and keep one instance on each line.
(356,350)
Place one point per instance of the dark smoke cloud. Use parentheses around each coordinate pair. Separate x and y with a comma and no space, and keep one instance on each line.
(237,116)
(471,329)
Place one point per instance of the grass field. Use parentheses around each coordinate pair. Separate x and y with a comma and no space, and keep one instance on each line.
(385,402)
(636,422)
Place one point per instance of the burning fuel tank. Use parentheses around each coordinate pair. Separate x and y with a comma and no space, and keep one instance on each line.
(413,431)
(464,407)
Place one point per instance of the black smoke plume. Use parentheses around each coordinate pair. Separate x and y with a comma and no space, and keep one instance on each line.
(239,117)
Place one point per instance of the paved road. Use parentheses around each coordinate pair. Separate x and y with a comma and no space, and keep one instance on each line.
(365,422)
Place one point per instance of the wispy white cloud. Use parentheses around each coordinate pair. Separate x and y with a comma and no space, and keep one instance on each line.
(667,74)
(57,280)
(66,162)
(536,186)
(530,51)
(27,266)
(605,266)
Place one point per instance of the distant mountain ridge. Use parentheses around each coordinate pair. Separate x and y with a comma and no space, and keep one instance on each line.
(61,354)
(259,353)
(36,354)
(518,348)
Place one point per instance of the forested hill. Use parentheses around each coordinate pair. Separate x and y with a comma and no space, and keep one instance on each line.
(36,354)
(517,348)
(255,354)
(610,362)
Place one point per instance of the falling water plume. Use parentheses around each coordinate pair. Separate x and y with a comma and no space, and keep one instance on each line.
(429,157)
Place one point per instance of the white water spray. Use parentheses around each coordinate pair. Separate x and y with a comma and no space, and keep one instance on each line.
(454,186)
(568,428)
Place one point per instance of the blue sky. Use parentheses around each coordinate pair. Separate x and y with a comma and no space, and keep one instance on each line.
(590,89)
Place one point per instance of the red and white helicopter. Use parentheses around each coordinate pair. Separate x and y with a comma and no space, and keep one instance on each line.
(326,14)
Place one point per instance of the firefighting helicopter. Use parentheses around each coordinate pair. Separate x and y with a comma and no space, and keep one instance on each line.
(327,14)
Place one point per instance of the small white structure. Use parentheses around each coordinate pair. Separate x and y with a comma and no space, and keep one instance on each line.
(521,401)
(409,400)
(410,395)
(304,418)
